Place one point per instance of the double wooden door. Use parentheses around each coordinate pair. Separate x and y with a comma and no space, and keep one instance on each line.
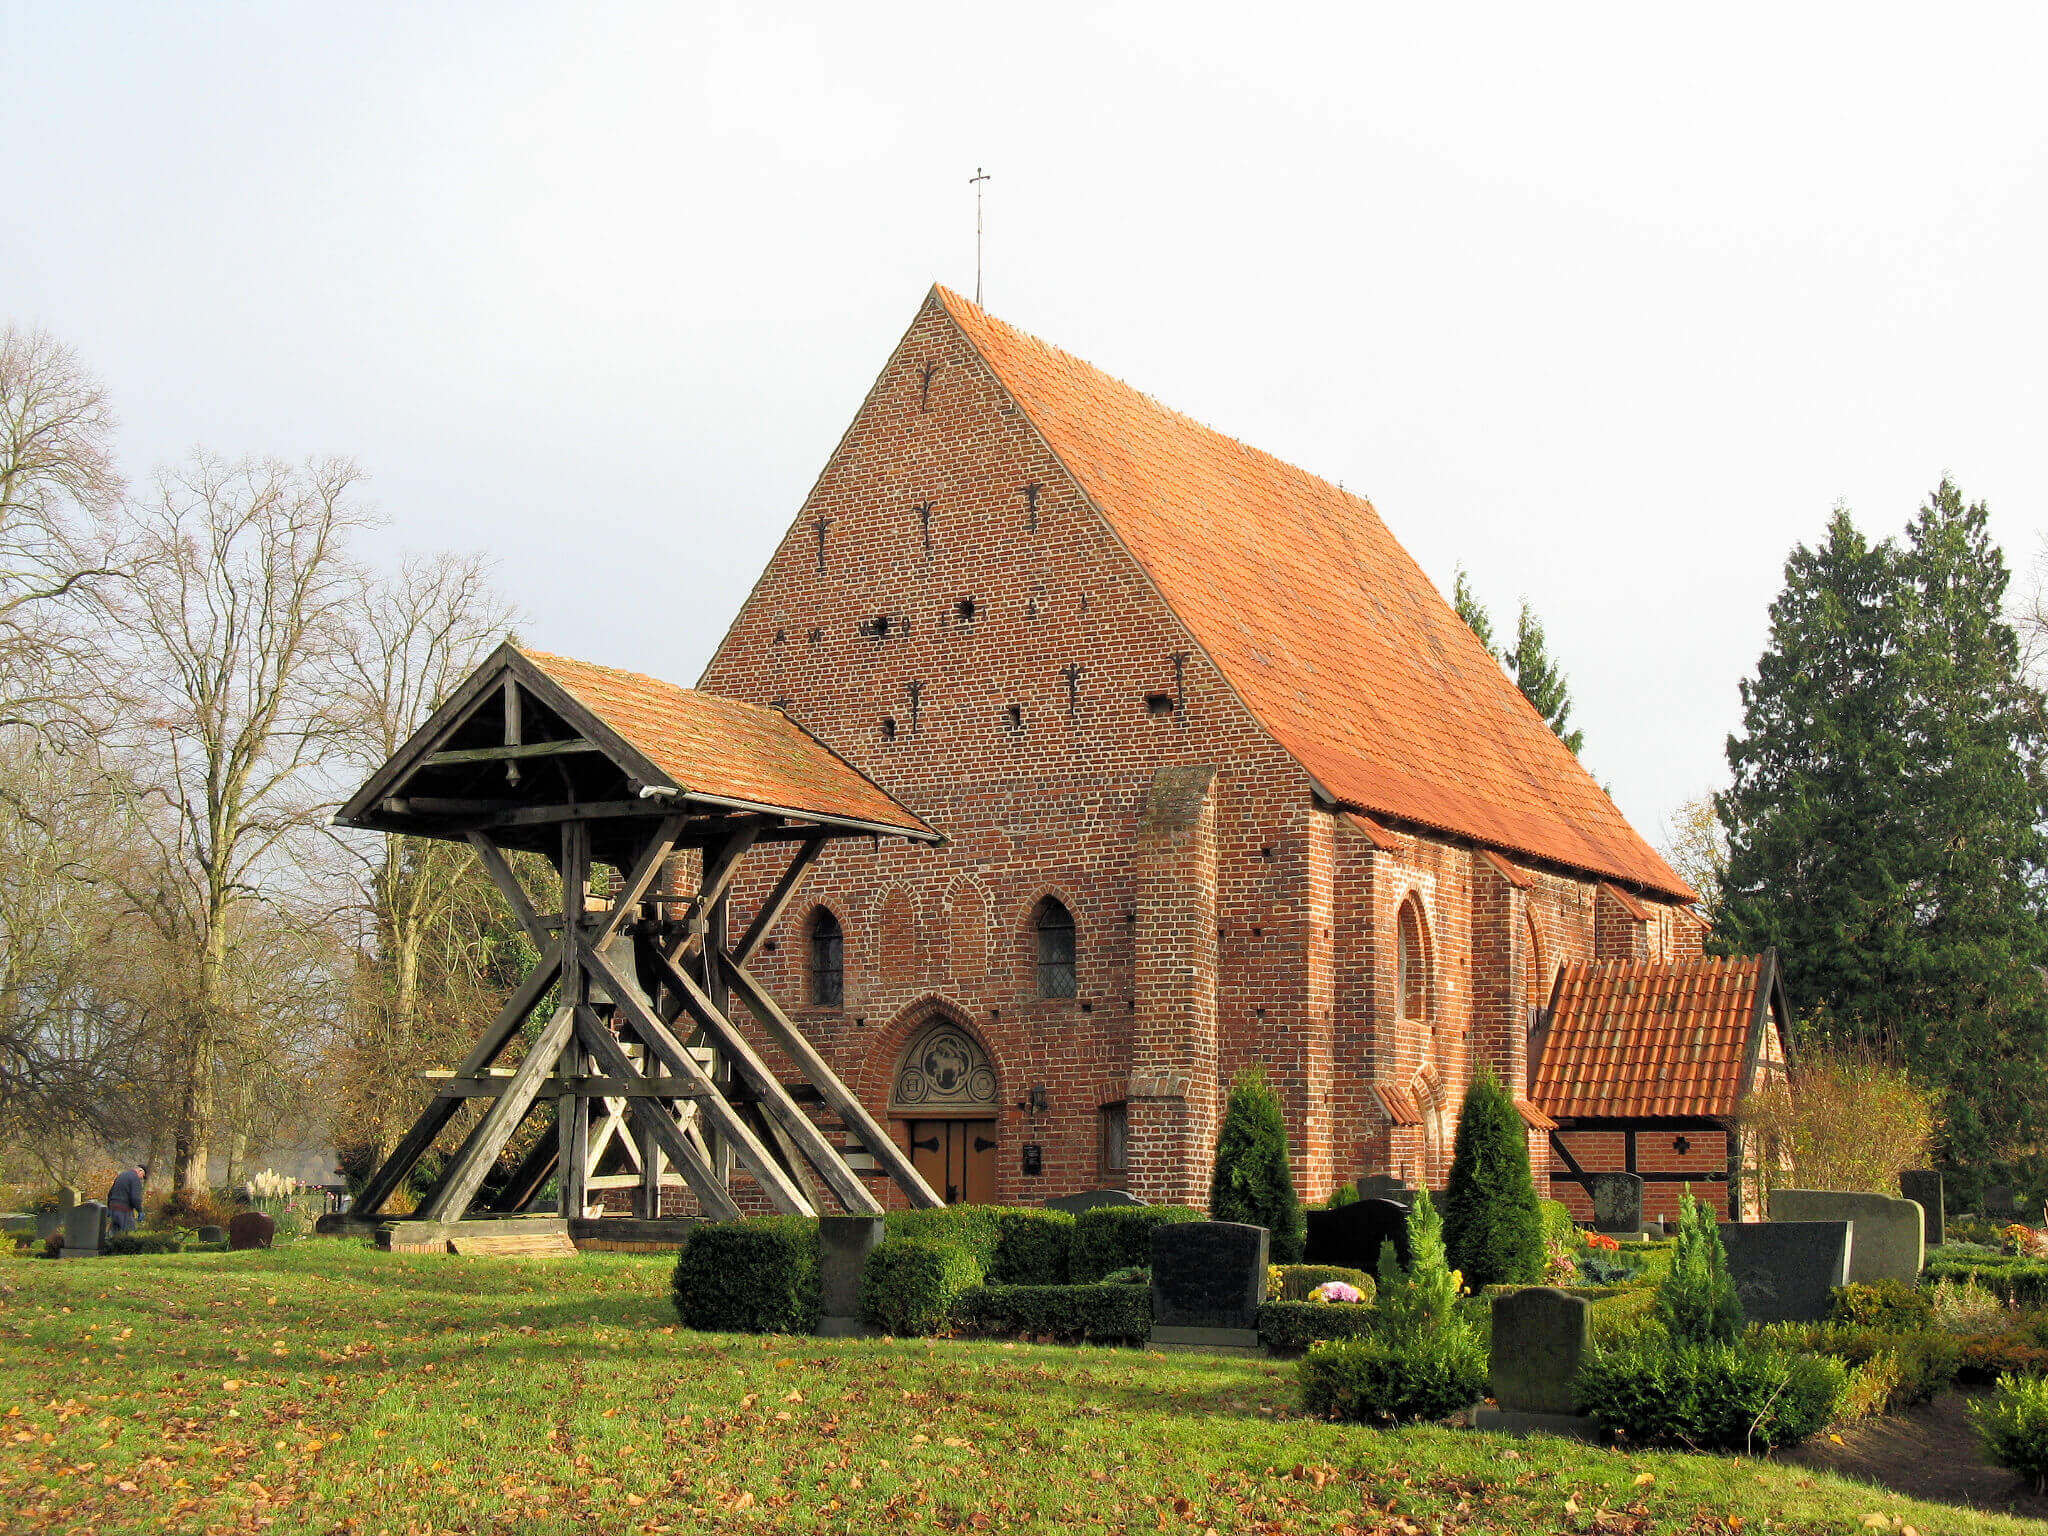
(957,1158)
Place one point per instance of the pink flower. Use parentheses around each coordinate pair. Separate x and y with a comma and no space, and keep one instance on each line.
(1336,1290)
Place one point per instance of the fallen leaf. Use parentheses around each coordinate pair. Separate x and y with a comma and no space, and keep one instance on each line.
(1644,1479)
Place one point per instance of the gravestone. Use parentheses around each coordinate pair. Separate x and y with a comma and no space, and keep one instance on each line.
(1384,1186)
(48,1225)
(251,1229)
(1617,1201)
(1351,1235)
(85,1230)
(1923,1187)
(67,1197)
(1208,1283)
(1088,1199)
(1888,1232)
(213,1234)
(1784,1271)
(845,1242)
(1999,1204)
(1540,1336)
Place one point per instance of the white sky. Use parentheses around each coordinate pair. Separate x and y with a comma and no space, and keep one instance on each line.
(1612,303)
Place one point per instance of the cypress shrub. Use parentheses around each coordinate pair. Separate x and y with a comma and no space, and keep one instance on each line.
(1114,1237)
(1493,1223)
(1696,1298)
(1421,1300)
(1251,1181)
(755,1276)
(910,1285)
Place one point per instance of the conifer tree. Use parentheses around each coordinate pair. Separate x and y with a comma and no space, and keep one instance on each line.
(1422,1298)
(1493,1227)
(1696,1299)
(1541,679)
(1472,611)
(1250,1181)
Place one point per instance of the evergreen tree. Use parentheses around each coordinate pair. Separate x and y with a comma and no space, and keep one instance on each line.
(1696,1299)
(1472,611)
(1251,1181)
(1493,1226)
(1541,679)
(1885,820)
(1422,1298)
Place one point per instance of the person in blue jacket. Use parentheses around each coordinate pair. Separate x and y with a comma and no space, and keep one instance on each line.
(124,1200)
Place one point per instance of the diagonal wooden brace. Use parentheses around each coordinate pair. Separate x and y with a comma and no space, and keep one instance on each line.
(654,1117)
(466,1170)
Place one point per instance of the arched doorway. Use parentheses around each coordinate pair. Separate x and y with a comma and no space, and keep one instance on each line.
(945,1087)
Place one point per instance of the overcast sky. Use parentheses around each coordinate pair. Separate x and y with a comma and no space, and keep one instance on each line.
(1610,303)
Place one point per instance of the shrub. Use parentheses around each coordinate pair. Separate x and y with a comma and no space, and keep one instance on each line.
(755,1276)
(1135,1275)
(193,1208)
(1289,1327)
(141,1240)
(1988,1356)
(2014,1427)
(1375,1380)
(1963,1306)
(1013,1245)
(1293,1282)
(1113,1237)
(1911,1364)
(1250,1181)
(1420,1300)
(910,1284)
(1709,1396)
(1696,1299)
(1493,1227)
(2019,1282)
(1623,1316)
(1889,1304)
(1342,1195)
(1856,1121)
(1091,1314)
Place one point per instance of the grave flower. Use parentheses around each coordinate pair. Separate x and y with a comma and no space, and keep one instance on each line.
(1336,1290)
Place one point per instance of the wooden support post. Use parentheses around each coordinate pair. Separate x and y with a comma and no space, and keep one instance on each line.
(714,1197)
(572,1140)
(779,898)
(466,1170)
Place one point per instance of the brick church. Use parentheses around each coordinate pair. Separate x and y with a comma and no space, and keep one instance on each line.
(1225,781)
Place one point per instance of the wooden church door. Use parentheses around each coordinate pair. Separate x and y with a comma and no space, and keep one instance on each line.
(957,1158)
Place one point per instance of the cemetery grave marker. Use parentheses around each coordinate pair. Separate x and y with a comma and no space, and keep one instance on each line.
(1924,1188)
(1889,1233)
(85,1229)
(1617,1201)
(1089,1199)
(1351,1235)
(1999,1204)
(1208,1283)
(1540,1337)
(251,1229)
(1385,1186)
(844,1242)
(1784,1271)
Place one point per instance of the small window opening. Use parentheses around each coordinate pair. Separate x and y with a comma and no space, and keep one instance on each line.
(881,626)
(968,609)
(1014,715)
(1116,1137)
(1158,703)
(1411,961)
(1054,925)
(827,960)
(888,728)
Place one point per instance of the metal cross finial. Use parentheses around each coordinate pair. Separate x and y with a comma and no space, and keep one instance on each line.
(975,182)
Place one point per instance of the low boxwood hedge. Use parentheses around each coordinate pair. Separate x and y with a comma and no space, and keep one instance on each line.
(754,1276)
(1733,1397)
(910,1285)
(2020,1282)
(1070,1314)
(1012,1244)
(1113,1237)
(1293,1282)
(1289,1327)
(142,1242)
(1373,1381)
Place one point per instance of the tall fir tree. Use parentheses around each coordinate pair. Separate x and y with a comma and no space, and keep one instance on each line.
(1250,1180)
(1493,1226)
(1471,610)
(1541,679)
(1885,820)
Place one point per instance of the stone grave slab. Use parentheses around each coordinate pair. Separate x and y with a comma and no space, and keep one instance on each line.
(1784,1270)
(213,1234)
(85,1230)
(1352,1234)
(67,1197)
(1208,1283)
(1540,1337)
(1384,1186)
(1889,1233)
(1999,1204)
(845,1242)
(251,1229)
(1088,1199)
(1617,1201)
(1923,1187)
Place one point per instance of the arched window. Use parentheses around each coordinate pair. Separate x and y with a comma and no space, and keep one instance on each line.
(1411,962)
(826,960)
(1055,929)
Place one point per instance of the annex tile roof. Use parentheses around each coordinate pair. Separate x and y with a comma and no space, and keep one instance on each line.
(1653,1037)
(1320,620)
(1398,1103)
(714,747)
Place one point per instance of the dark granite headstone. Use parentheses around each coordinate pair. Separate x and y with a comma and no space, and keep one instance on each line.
(213,1234)
(1088,1199)
(1540,1335)
(1617,1202)
(845,1242)
(1352,1234)
(1384,1186)
(85,1229)
(251,1229)
(1208,1274)
(48,1225)
(1923,1187)
(1999,1204)
(1784,1270)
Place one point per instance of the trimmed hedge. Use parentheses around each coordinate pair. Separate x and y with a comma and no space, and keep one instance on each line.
(2021,1282)
(1090,1314)
(1012,1244)
(1113,1237)
(1370,1380)
(1621,1315)
(142,1242)
(1709,1396)
(910,1284)
(1289,1327)
(754,1276)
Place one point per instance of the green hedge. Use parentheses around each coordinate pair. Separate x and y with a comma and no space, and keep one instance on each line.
(1289,1327)
(754,1276)
(142,1242)
(1709,1396)
(910,1284)
(2021,1282)
(1439,1373)
(1012,1244)
(1091,1314)
(1113,1237)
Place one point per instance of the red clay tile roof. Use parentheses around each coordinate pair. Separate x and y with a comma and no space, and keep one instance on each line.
(1319,619)
(1649,1037)
(1399,1104)
(1533,1117)
(711,745)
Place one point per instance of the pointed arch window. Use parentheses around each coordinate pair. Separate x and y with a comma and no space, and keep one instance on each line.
(1054,928)
(826,959)
(1411,962)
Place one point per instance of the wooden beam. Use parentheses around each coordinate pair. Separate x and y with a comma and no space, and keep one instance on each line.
(591,810)
(695,1168)
(591,1087)
(843,1101)
(785,892)
(450,1198)
(769,1094)
(510,752)
(499,868)
(531,1174)
(719,1115)
(645,868)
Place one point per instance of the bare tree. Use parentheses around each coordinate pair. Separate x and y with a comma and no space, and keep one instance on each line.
(58,490)
(1695,846)
(231,639)
(431,916)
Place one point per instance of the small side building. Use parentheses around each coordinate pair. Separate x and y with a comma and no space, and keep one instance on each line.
(1642,1066)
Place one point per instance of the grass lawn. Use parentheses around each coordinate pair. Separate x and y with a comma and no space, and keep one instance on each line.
(329,1387)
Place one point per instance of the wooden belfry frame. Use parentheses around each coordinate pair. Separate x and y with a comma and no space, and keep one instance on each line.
(641,1037)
